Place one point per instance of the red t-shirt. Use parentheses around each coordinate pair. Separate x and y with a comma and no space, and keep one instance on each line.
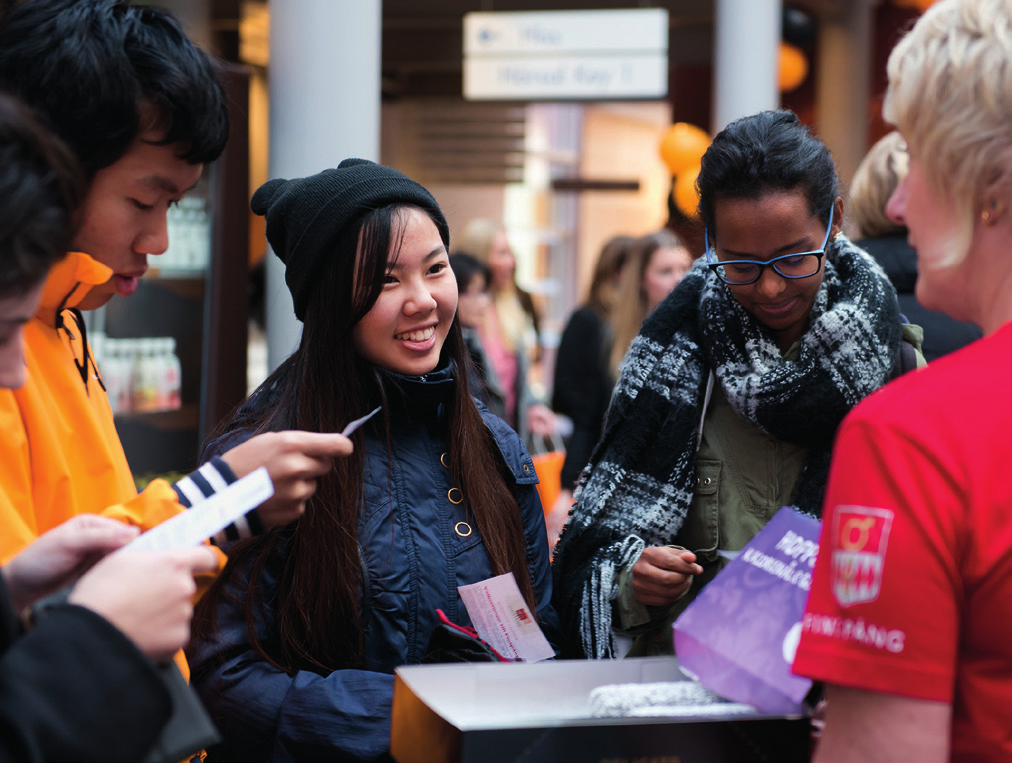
(912,593)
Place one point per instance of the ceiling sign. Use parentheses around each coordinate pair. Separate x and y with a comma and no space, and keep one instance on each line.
(566,55)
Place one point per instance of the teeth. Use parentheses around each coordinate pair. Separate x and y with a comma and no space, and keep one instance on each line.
(417,336)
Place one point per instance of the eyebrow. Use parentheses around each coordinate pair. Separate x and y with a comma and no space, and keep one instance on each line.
(163,183)
(431,255)
(782,250)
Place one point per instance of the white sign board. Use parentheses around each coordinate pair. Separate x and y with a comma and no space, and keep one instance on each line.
(561,55)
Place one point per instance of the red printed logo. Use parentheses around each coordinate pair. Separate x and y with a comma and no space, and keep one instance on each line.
(860,537)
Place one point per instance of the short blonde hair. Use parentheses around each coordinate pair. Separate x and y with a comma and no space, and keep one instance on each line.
(950,94)
(881,170)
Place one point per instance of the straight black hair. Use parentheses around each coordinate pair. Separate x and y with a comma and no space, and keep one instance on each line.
(768,151)
(102,72)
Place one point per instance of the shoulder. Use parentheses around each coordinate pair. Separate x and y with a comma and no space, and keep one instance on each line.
(583,319)
(512,449)
(939,396)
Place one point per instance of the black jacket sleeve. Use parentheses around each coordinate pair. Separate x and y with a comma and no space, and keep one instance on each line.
(582,388)
(75,688)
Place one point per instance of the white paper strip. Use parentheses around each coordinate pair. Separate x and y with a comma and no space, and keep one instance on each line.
(197,524)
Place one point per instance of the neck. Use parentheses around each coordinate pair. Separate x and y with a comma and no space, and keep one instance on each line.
(990,282)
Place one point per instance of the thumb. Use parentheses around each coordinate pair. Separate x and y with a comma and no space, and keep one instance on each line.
(197,559)
(90,533)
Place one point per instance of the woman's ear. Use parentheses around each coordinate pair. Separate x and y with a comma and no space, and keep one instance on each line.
(837,218)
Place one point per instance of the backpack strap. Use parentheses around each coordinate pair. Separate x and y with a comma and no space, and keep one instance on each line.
(906,355)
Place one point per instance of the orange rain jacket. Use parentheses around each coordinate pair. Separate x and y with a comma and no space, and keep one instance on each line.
(60,454)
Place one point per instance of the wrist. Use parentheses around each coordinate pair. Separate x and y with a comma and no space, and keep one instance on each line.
(17,599)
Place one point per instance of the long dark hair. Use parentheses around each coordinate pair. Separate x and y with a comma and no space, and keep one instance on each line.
(317,622)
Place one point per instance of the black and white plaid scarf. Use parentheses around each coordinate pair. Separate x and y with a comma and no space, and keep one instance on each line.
(638,486)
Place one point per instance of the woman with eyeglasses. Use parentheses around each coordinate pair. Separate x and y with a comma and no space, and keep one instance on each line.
(731,394)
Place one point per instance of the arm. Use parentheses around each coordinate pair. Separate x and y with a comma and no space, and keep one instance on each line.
(580,390)
(293,460)
(539,562)
(62,692)
(866,726)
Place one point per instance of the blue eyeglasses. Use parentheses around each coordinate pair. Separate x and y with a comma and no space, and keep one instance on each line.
(742,272)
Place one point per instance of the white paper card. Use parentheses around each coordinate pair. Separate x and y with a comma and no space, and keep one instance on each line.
(359,422)
(200,522)
(503,619)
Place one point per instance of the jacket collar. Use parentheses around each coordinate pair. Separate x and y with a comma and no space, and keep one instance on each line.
(68,282)
(418,397)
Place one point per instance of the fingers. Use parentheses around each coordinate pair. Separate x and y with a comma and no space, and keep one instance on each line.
(91,533)
(662,575)
(321,444)
(672,559)
(290,452)
(197,560)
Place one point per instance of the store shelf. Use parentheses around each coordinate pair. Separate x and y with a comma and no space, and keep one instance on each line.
(186,418)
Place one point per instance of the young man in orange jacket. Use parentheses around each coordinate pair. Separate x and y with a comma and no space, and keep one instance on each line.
(82,683)
(142,109)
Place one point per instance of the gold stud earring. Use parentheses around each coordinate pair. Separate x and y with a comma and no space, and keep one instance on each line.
(986,217)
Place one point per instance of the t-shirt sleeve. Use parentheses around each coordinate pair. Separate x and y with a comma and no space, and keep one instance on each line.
(884,610)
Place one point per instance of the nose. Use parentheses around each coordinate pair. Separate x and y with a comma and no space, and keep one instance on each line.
(770,283)
(419,300)
(896,207)
(154,238)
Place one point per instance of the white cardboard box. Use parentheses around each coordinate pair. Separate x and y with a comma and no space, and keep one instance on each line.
(488,712)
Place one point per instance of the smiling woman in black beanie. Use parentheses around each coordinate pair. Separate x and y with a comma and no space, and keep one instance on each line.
(295,646)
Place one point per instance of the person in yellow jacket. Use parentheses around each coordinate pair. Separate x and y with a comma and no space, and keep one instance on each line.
(142,109)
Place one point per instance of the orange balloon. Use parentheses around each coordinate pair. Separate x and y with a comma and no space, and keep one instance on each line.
(793,67)
(686,196)
(683,146)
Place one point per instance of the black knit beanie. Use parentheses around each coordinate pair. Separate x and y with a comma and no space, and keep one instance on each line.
(307,216)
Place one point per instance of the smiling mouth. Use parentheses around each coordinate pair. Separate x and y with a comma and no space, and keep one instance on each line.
(779,307)
(417,336)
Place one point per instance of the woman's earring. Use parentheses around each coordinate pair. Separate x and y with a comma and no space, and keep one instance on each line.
(991,214)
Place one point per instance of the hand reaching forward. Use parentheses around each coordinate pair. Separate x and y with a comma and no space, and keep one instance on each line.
(294,460)
(662,575)
(148,595)
(59,557)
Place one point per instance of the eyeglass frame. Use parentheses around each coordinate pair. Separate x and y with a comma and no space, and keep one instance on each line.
(820,253)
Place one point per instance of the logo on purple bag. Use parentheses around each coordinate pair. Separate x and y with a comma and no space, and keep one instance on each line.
(860,537)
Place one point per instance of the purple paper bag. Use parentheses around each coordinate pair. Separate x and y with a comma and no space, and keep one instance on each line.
(740,634)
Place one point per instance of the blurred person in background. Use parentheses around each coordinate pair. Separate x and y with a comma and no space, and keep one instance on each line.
(583,377)
(731,394)
(908,619)
(473,301)
(656,264)
(882,169)
(511,330)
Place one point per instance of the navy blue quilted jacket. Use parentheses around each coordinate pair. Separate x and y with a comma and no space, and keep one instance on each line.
(413,559)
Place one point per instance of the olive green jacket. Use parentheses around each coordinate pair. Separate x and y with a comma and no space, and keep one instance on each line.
(743,477)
